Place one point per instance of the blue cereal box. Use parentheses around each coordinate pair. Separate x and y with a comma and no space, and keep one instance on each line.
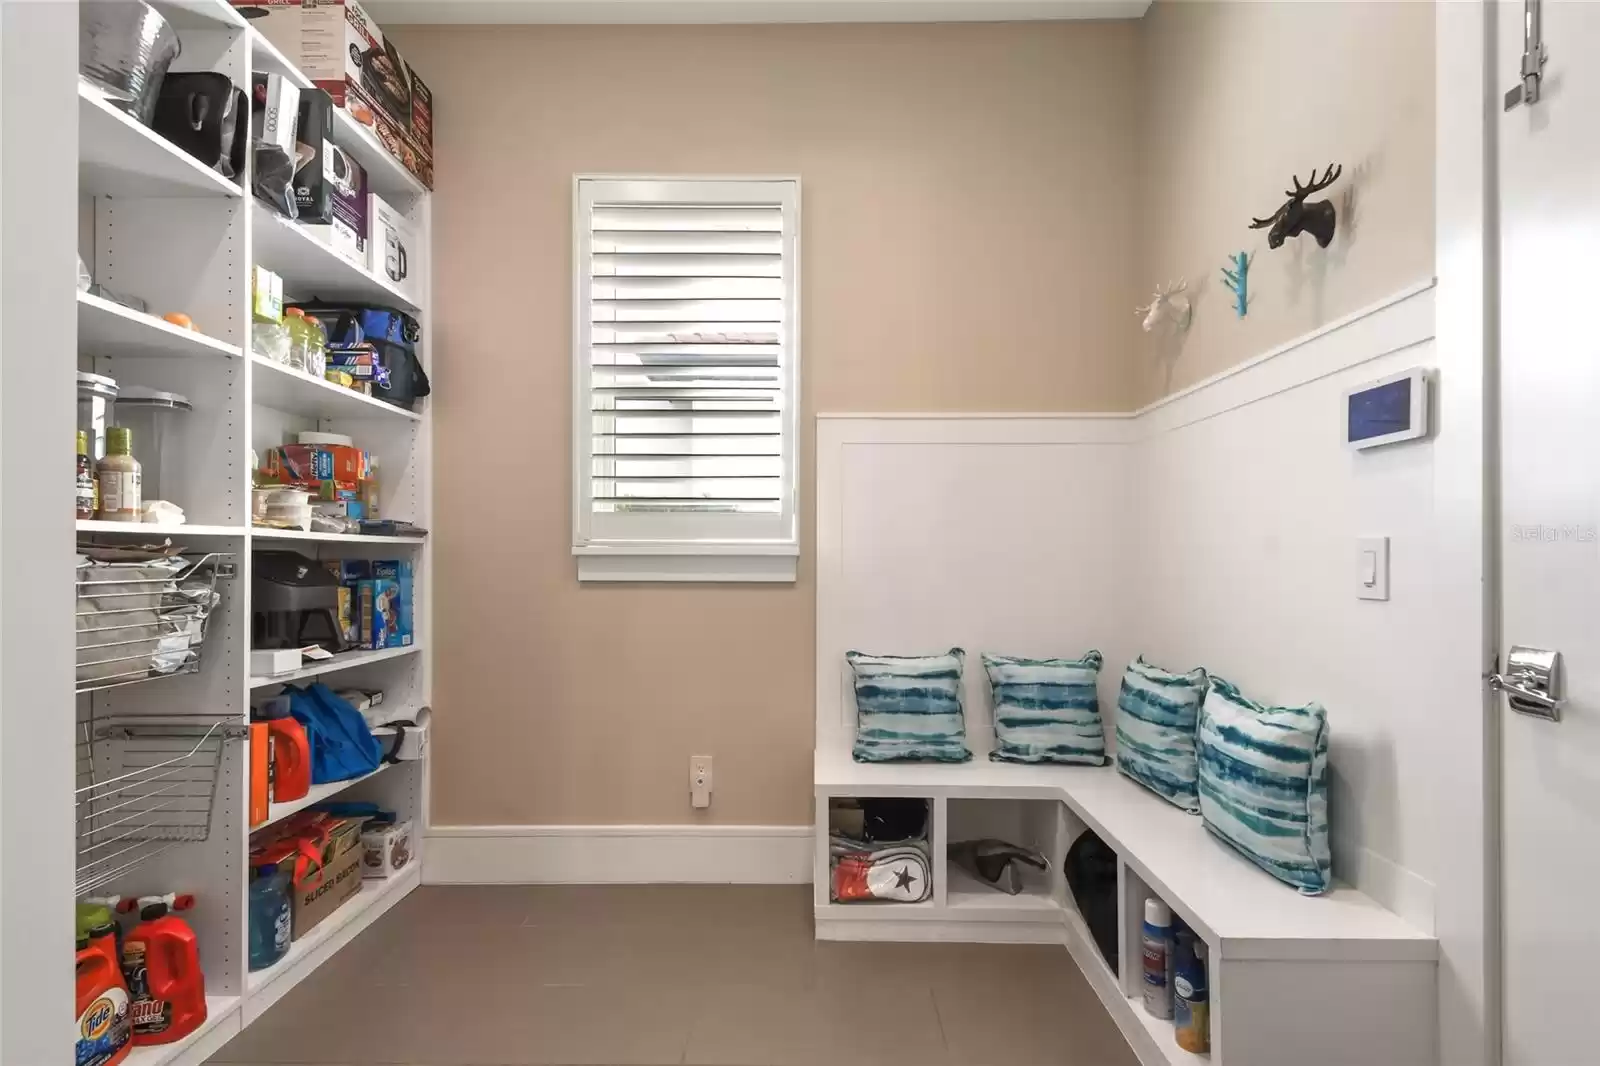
(386,605)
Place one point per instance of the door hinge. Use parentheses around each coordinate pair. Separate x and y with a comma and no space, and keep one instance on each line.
(1534,56)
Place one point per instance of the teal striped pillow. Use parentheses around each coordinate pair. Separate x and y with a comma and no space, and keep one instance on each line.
(1046,710)
(1263,784)
(909,707)
(1156,715)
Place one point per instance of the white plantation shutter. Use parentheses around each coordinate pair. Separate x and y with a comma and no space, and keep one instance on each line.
(686,348)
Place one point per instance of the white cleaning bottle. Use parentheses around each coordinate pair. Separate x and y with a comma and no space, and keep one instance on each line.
(1157,959)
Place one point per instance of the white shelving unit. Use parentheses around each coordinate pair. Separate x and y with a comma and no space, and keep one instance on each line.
(156,224)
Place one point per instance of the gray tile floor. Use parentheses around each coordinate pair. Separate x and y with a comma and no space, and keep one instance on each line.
(512,975)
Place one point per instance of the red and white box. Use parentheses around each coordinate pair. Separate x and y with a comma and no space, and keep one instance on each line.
(340,48)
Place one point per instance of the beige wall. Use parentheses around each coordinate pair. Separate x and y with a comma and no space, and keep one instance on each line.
(1239,97)
(968,229)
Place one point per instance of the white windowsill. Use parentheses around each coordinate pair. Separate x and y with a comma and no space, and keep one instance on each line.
(688,562)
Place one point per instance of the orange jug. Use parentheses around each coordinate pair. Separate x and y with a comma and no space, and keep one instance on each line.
(161,959)
(290,772)
(104,1030)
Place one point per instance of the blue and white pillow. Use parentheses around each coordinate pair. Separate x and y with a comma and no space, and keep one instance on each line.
(909,707)
(1157,712)
(1046,710)
(1263,784)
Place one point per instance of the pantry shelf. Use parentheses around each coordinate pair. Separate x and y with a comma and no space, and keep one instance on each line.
(263,988)
(347,661)
(284,388)
(200,14)
(105,327)
(386,176)
(311,269)
(332,538)
(153,529)
(220,1026)
(119,156)
(277,812)
(967,893)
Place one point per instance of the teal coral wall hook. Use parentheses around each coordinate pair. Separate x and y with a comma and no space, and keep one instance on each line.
(1238,282)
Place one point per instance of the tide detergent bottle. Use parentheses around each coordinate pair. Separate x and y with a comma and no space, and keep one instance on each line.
(161,960)
(104,1032)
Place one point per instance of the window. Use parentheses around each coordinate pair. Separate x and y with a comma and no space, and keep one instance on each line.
(685,379)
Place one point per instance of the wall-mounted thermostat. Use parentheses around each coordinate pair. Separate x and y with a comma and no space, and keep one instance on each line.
(1388,410)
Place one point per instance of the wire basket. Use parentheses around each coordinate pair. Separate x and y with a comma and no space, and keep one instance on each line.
(144,620)
(144,787)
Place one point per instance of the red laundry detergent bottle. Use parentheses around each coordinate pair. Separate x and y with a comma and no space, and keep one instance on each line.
(161,960)
(290,768)
(104,1032)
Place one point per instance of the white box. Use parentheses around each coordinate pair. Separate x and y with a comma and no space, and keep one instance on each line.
(265,662)
(386,850)
(392,249)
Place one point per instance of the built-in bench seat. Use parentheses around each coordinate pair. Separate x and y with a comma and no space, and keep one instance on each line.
(1301,979)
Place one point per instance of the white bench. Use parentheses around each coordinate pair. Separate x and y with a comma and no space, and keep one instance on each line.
(1294,980)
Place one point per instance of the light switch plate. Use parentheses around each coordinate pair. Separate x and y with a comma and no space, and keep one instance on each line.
(1372,568)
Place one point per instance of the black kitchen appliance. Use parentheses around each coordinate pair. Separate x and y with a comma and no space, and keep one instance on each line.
(294,602)
(204,113)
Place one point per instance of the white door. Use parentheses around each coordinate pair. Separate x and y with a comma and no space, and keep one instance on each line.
(1549,157)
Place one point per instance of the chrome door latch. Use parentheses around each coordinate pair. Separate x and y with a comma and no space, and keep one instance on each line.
(1534,56)
(1532,682)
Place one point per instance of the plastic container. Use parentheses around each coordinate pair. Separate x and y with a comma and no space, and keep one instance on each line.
(290,772)
(269,916)
(97,408)
(156,420)
(104,1034)
(282,508)
(161,960)
(1157,959)
(85,488)
(1191,1013)
(271,340)
(308,342)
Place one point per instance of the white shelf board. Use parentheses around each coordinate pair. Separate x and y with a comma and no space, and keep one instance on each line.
(1238,909)
(386,175)
(200,14)
(284,388)
(269,59)
(345,661)
(263,988)
(119,156)
(105,327)
(311,269)
(277,812)
(264,533)
(220,1026)
(973,898)
(153,529)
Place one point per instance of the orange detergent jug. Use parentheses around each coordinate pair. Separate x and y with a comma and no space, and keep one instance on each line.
(290,772)
(104,1031)
(161,960)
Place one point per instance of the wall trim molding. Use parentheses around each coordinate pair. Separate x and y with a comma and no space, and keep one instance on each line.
(1398,296)
(618,854)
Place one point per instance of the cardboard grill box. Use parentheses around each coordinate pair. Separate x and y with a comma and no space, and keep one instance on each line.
(340,48)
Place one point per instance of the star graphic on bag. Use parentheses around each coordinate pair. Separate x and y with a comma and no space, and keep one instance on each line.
(904,880)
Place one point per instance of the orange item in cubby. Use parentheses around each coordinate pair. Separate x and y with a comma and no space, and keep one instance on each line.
(161,958)
(260,772)
(104,1028)
(291,759)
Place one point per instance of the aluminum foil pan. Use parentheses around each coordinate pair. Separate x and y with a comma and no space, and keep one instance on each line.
(124,49)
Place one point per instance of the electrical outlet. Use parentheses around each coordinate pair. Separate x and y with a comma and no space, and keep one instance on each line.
(700,780)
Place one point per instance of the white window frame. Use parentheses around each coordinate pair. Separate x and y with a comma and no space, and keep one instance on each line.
(641,547)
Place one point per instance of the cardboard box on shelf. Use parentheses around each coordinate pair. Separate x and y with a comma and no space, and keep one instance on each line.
(340,48)
(348,227)
(386,850)
(386,605)
(322,893)
(392,242)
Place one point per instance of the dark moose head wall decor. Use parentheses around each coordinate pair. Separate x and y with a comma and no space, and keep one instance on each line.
(1296,216)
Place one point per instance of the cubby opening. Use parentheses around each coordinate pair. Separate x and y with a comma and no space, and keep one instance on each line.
(880,851)
(1135,891)
(973,825)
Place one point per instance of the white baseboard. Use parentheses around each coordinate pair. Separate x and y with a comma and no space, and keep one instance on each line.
(618,854)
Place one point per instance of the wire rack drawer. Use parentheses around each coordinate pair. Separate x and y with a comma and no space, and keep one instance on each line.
(138,621)
(144,787)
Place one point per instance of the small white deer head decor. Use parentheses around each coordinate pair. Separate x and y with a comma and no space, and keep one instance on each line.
(1168,306)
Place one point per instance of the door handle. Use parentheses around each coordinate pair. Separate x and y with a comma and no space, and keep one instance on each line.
(1532,682)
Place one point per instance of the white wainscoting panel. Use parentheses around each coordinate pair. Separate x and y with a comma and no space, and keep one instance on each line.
(618,854)
(993,533)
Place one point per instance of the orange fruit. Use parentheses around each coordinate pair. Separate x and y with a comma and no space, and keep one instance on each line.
(178,318)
